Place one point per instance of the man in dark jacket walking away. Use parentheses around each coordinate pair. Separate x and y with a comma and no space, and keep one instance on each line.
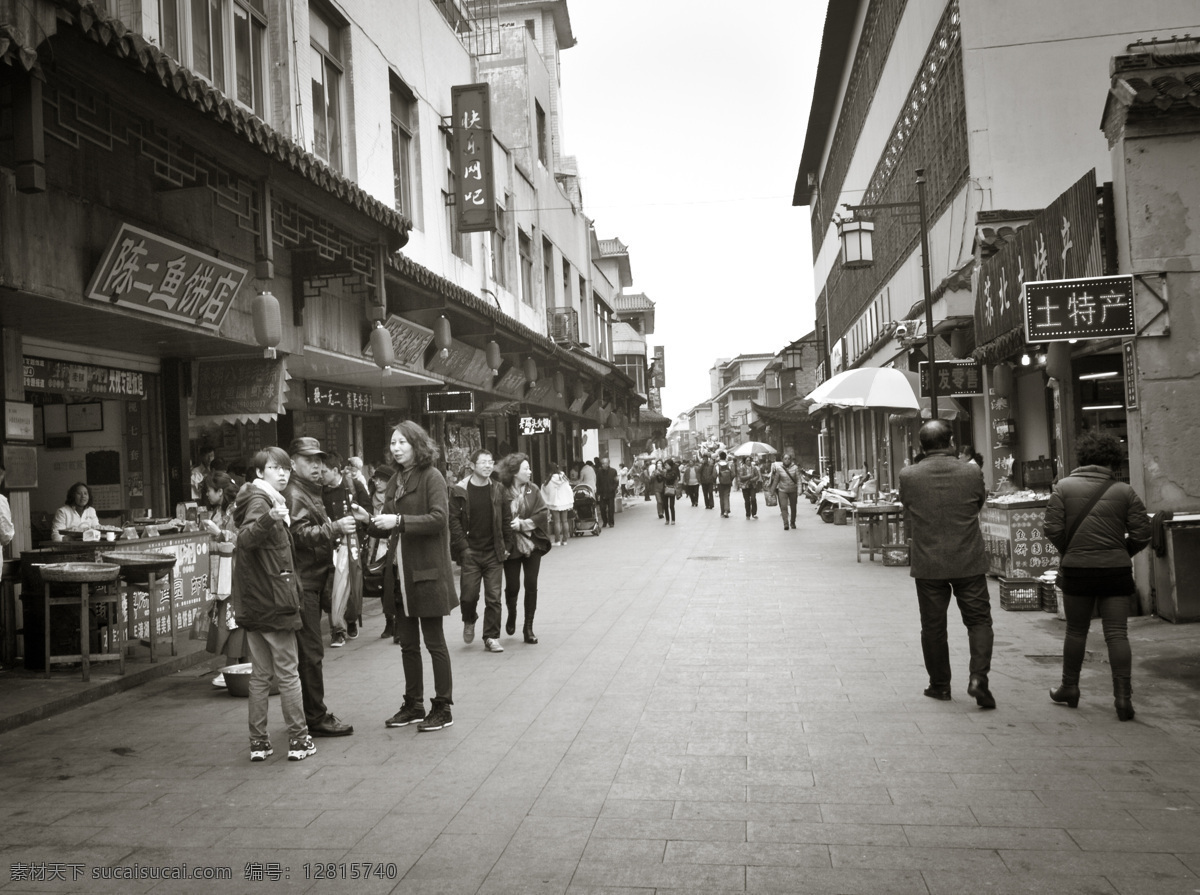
(481,540)
(708,478)
(314,535)
(266,597)
(943,497)
(606,492)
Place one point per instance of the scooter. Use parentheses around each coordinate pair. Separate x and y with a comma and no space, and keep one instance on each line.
(841,498)
(813,485)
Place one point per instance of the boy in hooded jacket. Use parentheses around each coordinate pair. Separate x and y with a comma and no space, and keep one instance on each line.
(266,594)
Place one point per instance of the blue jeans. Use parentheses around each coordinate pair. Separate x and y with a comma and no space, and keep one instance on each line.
(481,568)
(273,653)
(974,604)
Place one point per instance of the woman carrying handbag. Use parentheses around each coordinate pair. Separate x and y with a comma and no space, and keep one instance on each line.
(1097,524)
(531,526)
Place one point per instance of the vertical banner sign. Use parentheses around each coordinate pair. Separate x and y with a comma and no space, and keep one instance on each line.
(1131,395)
(475,192)
(660,367)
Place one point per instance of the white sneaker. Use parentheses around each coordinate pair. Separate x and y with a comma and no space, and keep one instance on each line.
(492,645)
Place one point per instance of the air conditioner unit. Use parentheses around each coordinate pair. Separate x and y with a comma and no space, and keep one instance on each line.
(563,324)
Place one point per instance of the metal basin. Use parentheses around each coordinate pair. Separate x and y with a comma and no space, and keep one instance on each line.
(137,567)
(79,572)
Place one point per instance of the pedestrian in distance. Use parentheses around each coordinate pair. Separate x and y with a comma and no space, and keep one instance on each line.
(708,477)
(1097,524)
(667,484)
(266,594)
(750,480)
(481,539)
(531,541)
(655,485)
(607,483)
(345,589)
(220,496)
(314,536)
(560,500)
(784,480)
(724,477)
(419,579)
(587,475)
(943,497)
(690,479)
(374,548)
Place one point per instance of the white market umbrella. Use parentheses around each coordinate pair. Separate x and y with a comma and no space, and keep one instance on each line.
(880,388)
(750,448)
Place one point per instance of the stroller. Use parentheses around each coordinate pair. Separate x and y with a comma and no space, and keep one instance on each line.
(587,521)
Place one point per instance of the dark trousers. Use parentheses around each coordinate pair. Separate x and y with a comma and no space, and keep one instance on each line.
(693,493)
(933,598)
(668,506)
(513,567)
(787,504)
(411,631)
(708,495)
(750,499)
(481,568)
(723,490)
(608,508)
(310,649)
(1114,616)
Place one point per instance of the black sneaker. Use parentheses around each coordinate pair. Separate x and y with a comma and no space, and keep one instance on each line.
(352,630)
(439,717)
(260,749)
(407,715)
(339,639)
(300,749)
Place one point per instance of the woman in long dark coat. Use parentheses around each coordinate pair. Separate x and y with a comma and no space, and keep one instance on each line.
(415,521)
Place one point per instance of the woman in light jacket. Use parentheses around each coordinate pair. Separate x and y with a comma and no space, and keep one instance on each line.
(785,482)
(420,579)
(76,514)
(1095,566)
(560,499)
(530,517)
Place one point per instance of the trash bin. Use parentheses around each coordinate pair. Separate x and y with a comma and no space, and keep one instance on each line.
(1177,571)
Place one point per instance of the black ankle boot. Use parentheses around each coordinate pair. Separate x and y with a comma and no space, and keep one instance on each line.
(977,686)
(389,630)
(527,629)
(1068,694)
(1123,698)
(510,626)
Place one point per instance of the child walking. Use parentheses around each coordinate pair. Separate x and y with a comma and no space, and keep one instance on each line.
(266,595)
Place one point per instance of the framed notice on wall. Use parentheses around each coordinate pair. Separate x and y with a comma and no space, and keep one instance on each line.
(87,417)
(20,463)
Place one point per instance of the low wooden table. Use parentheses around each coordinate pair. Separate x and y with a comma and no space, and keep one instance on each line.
(876,525)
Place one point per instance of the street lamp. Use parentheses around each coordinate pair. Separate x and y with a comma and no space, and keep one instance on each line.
(857,252)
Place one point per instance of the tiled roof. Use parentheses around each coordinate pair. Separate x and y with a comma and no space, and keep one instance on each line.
(613,247)
(115,37)
(635,302)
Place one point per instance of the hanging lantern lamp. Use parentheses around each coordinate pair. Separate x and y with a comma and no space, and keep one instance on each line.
(268,325)
(442,336)
(381,346)
(560,384)
(1002,379)
(531,371)
(494,357)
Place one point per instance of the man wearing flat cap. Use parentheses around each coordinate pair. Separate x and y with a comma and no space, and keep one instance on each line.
(315,536)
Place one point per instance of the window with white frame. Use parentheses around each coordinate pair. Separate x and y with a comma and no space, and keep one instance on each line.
(328,74)
(404,126)
(500,244)
(224,42)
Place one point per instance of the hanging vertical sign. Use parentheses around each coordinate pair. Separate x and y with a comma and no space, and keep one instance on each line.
(660,367)
(1131,394)
(475,193)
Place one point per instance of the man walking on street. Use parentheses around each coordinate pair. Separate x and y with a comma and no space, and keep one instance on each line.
(943,497)
(481,539)
(708,478)
(314,535)
(724,475)
(606,492)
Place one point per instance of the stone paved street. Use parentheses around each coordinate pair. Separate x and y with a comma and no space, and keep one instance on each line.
(714,706)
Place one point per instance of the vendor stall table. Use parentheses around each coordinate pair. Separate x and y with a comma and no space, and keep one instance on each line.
(876,525)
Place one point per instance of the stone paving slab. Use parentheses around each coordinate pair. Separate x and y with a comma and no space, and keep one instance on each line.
(720,707)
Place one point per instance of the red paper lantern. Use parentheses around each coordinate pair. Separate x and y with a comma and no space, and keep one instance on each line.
(531,370)
(268,324)
(494,357)
(381,347)
(442,336)
(1002,380)
(560,384)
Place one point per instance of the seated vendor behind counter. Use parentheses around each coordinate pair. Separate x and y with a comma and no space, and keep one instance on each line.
(75,514)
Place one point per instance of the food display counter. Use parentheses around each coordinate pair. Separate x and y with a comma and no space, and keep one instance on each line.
(1013,534)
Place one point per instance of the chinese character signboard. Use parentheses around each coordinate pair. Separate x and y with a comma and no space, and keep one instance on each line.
(153,275)
(450,402)
(238,386)
(660,367)
(536,425)
(475,198)
(1094,308)
(337,397)
(1131,395)
(955,378)
(45,375)
(1061,242)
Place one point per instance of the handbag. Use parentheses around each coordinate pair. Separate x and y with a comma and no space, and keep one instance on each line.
(523,544)
(668,490)
(771,498)
(373,567)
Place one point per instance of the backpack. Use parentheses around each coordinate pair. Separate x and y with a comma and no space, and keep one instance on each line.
(724,474)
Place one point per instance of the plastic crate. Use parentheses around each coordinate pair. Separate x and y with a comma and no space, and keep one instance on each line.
(1049,594)
(1020,594)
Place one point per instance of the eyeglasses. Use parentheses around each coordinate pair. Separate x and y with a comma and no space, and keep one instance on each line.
(277,466)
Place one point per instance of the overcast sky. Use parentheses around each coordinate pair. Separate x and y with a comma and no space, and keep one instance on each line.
(687,118)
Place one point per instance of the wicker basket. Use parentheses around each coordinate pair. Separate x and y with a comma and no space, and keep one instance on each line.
(1020,594)
(79,572)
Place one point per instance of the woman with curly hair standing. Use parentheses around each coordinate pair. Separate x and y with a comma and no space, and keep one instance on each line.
(531,524)
(415,519)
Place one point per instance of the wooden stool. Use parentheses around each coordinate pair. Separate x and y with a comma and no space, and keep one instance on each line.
(148,568)
(87,575)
